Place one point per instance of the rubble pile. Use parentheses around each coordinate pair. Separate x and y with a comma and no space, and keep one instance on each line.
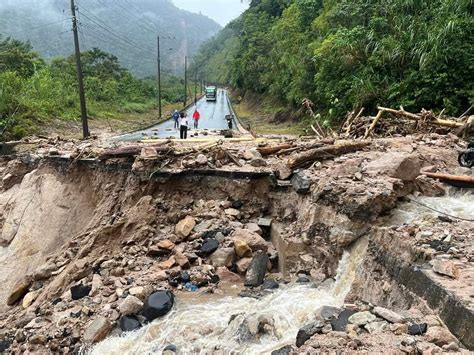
(144,234)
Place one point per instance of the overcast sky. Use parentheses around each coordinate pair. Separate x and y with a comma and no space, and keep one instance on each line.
(221,11)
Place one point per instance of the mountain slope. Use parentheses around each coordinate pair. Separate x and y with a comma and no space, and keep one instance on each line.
(126,28)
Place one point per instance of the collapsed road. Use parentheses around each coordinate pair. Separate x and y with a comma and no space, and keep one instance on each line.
(287,245)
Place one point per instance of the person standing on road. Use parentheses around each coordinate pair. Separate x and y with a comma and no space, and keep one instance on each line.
(183,126)
(176,119)
(196,117)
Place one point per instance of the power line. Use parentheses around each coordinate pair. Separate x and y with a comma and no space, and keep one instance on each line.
(34,29)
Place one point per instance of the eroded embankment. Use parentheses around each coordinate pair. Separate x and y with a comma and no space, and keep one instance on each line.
(85,244)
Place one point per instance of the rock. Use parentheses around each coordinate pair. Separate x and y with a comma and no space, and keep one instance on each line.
(451,347)
(308,331)
(97,330)
(38,339)
(253,240)
(4,345)
(362,318)
(130,305)
(182,260)
(399,329)
(166,244)
(129,323)
(29,299)
(138,291)
(389,315)
(254,228)
(258,162)
(96,285)
(171,348)
(243,264)
(397,165)
(445,267)
(223,257)
(376,327)
(201,159)
(158,304)
(257,269)
(286,350)
(167,264)
(242,249)
(300,183)
(440,336)
(417,328)
(209,247)
(80,291)
(282,172)
(148,153)
(232,212)
(270,284)
(19,290)
(184,227)
(327,312)
(44,272)
(303,280)
(339,324)
(227,276)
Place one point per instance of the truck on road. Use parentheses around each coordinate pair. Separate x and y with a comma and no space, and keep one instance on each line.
(211,93)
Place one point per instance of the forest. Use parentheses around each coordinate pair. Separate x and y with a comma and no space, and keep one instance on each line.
(347,54)
(32,91)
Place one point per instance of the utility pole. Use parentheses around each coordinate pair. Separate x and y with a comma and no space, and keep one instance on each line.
(80,79)
(159,79)
(195,83)
(185,80)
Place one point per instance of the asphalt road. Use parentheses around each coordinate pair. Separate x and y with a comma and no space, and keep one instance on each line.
(212,119)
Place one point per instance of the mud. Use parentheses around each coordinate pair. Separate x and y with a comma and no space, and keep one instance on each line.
(65,223)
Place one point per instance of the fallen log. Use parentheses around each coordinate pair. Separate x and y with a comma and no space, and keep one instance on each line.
(454,180)
(265,151)
(415,117)
(326,152)
(131,151)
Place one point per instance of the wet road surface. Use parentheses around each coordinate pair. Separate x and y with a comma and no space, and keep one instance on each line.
(212,119)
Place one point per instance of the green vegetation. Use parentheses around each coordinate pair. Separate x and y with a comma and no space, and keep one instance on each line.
(347,54)
(32,92)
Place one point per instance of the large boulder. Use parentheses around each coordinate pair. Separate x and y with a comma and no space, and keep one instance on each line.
(399,165)
(253,240)
(80,291)
(362,318)
(129,323)
(257,269)
(97,330)
(184,227)
(327,312)
(158,304)
(19,290)
(440,336)
(340,323)
(308,331)
(389,315)
(223,257)
(130,305)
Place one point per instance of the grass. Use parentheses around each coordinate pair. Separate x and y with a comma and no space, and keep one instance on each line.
(258,117)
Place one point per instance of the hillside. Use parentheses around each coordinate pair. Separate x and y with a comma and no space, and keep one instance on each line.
(348,54)
(125,28)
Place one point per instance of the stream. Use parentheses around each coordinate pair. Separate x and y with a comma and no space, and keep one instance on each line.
(205,327)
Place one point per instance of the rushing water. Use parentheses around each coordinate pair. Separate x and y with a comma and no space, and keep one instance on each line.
(457,203)
(204,327)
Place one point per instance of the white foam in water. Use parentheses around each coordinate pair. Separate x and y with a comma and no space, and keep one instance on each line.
(457,203)
(203,328)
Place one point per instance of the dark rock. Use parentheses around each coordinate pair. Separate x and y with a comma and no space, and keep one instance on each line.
(444,218)
(171,347)
(255,294)
(300,183)
(438,245)
(209,246)
(339,324)
(129,323)
(417,329)
(158,304)
(184,276)
(215,279)
(80,291)
(257,269)
(5,345)
(303,280)
(270,284)
(237,204)
(173,281)
(308,331)
(286,350)
(56,301)
(328,312)
(156,252)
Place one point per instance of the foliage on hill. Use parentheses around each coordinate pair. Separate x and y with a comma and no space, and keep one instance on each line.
(33,91)
(345,54)
(125,28)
